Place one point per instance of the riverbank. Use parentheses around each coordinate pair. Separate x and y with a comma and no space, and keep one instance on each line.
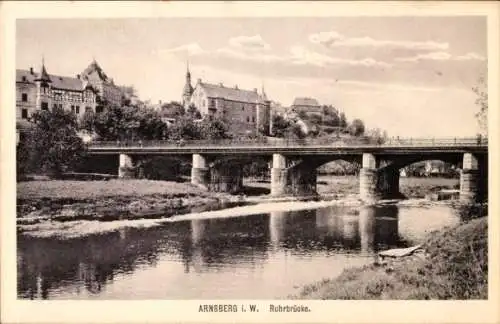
(49,198)
(97,198)
(453,264)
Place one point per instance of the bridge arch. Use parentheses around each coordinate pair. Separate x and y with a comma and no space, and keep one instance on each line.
(164,167)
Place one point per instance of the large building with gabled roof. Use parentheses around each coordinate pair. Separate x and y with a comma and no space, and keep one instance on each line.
(44,91)
(105,86)
(306,104)
(244,111)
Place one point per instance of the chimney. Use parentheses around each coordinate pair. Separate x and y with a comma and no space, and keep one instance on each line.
(221,84)
(255,90)
(78,76)
(199,80)
(31,70)
(159,102)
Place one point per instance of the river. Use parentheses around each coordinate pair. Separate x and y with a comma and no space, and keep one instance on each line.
(255,256)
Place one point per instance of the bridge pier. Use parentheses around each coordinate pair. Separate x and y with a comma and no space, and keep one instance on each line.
(126,168)
(200,174)
(473,179)
(377,183)
(298,180)
(278,175)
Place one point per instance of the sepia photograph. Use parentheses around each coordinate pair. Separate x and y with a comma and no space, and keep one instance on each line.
(277,158)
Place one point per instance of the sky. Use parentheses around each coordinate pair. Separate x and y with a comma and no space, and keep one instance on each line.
(411,76)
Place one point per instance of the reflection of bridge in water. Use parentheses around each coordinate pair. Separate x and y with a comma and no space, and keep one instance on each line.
(217,165)
(201,245)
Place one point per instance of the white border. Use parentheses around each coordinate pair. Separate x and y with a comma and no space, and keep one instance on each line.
(186,311)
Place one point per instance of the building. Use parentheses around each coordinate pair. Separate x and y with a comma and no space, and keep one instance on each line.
(105,86)
(44,91)
(307,105)
(244,111)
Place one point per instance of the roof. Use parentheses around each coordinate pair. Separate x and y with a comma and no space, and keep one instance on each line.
(305,101)
(94,67)
(188,89)
(234,94)
(26,74)
(60,82)
(43,75)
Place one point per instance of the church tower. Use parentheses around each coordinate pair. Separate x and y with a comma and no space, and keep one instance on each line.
(43,88)
(188,89)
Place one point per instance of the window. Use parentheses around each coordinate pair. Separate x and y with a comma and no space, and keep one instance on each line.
(72,108)
(98,109)
(24,97)
(253,119)
(24,78)
(24,113)
(77,109)
(45,106)
(248,119)
(242,108)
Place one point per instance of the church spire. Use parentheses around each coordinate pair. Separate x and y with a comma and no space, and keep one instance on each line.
(188,73)
(188,88)
(43,75)
(264,96)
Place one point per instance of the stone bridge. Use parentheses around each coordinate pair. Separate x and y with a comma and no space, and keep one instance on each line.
(217,165)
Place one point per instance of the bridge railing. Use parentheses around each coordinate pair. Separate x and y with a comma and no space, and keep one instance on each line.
(280,142)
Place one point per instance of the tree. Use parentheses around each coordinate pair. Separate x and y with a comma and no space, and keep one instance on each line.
(302,114)
(481,90)
(185,128)
(172,109)
(357,127)
(377,136)
(315,119)
(193,112)
(52,146)
(294,131)
(213,129)
(331,120)
(342,120)
(87,121)
(329,111)
(280,126)
(129,123)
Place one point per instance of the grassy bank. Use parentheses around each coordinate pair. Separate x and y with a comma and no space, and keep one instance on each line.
(61,189)
(454,266)
(42,198)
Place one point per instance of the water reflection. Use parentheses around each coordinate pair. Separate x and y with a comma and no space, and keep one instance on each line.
(207,250)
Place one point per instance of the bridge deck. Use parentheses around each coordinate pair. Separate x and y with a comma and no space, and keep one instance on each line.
(310,147)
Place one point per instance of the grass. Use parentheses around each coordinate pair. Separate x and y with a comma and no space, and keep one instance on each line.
(455,266)
(81,190)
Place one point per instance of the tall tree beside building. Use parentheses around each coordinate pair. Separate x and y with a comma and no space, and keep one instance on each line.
(213,129)
(481,90)
(52,146)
